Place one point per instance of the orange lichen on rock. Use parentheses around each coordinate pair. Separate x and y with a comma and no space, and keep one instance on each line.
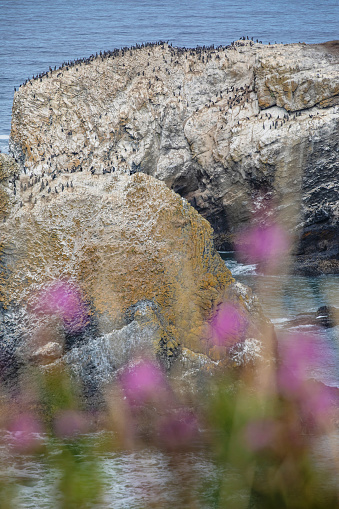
(123,239)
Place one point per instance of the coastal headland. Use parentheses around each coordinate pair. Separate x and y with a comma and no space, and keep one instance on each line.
(231,129)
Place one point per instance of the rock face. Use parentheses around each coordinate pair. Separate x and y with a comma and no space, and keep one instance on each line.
(223,127)
(139,258)
(8,172)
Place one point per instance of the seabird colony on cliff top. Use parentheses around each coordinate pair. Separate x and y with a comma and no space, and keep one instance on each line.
(237,98)
(120,52)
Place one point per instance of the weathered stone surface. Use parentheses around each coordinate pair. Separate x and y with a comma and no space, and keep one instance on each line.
(47,353)
(9,169)
(143,258)
(221,127)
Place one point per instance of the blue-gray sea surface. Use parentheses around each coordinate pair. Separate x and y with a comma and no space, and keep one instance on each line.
(284,298)
(35,34)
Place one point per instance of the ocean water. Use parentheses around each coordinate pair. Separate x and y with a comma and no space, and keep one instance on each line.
(147,478)
(284,298)
(36,34)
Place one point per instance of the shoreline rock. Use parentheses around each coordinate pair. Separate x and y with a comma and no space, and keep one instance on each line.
(229,128)
(325,316)
(112,267)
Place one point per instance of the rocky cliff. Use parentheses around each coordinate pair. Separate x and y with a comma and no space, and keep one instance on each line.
(139,258)
(223,127)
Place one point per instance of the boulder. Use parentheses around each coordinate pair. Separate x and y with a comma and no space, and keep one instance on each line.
(96,269)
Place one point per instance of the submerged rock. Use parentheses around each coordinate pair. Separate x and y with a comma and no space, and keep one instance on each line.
(229,128)
(325,316)
(110,267)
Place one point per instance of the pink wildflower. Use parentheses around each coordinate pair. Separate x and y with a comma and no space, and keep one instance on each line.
(300,356)
(142,382)
(264,245)
(26,433)
(70,423)
(317,403)
(178,430)
(63,299)
(228,325)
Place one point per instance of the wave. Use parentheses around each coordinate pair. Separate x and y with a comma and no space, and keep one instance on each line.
(4,137)
(238,269)
(280,320)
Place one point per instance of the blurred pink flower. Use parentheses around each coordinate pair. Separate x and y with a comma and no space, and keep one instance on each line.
(65,300)
(228,325)
(264,245)
(69,423)
(317,402)
(26,432)
(300,355)
(178,430)
(260,434)
(143,382)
